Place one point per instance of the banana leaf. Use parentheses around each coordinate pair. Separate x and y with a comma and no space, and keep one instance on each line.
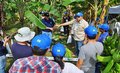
(108,67)
(34,19)
(104,59)
(117,66)
(68,53)
(47,7)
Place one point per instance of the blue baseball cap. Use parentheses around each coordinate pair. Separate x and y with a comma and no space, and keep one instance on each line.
(91,31)
(104,27)
(79,14)
(58,50)
(42,41)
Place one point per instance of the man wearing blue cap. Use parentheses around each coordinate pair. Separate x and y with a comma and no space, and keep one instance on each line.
(104,28)
(79,24)
(37,63)
(88,52)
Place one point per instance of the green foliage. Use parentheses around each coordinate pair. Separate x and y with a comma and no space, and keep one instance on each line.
(108,67)
(34,19)
(104,58)
(68,53)
(111,58)
(47,7)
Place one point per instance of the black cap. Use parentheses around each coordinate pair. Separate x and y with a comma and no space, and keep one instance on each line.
(42,12)
(46,14)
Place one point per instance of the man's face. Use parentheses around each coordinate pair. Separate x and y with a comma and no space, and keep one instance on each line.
(78,18)
(46,17)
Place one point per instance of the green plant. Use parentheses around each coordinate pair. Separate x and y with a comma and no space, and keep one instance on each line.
(111,58)
(34,19)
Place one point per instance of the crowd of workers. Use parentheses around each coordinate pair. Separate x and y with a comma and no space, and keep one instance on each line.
(29,49)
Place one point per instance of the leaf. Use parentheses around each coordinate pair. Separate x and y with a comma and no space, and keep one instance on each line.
(117,66)
(47,7)
(34,19)
(104,59)
(67,2)
(108,67)
(68,53)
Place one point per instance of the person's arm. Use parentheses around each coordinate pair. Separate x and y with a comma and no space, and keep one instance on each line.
(67,23)
(81,57)
(79,63)
(51,28)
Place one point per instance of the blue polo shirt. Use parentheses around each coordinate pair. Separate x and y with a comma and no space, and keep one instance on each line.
(103,36)
(49,23)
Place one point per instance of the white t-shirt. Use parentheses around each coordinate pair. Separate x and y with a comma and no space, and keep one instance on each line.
(71,68)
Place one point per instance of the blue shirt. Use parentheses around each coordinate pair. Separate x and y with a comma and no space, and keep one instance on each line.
(2,49)
(103,36)
(49,23)
(21,51)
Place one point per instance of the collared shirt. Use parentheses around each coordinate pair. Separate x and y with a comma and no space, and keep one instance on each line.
(35,64)
(78,29)
(49,23)
(103,36)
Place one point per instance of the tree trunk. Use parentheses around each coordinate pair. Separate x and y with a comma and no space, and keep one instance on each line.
(103,11)
(49,2)
(1,15)
(95,12)
(21,9)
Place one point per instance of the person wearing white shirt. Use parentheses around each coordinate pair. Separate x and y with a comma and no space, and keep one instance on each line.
(58,52)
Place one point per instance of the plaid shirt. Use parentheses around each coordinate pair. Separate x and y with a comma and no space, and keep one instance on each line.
(35,64)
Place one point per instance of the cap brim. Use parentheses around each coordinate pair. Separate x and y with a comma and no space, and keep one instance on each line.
(24,38)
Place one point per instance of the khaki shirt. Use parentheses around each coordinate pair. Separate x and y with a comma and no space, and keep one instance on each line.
(78,29)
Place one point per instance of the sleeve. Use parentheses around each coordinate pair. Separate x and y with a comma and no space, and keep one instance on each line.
(1,46)
(100,39)
(101,49)
(81,53)
(13,68)
(16,67)
(74,69)
(53,22)
(86,25)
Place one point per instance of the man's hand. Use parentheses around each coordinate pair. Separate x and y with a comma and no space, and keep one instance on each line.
(49,28)
(56,26)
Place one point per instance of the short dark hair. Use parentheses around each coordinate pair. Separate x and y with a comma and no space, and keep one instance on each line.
(91,37)
(58,59)
(37,51)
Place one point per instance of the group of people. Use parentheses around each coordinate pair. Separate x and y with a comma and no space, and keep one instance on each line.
(29,49)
